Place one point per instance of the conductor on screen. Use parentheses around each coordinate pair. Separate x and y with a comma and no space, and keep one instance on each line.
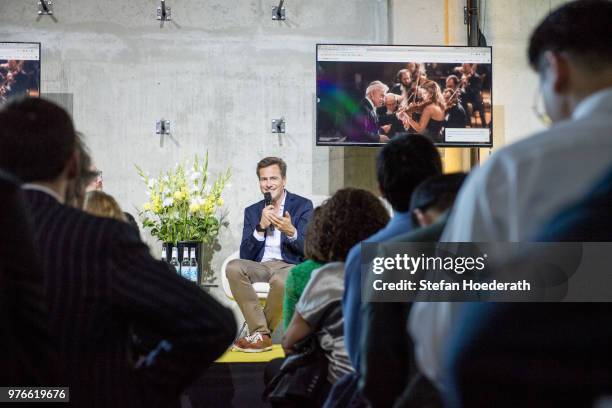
(365,127)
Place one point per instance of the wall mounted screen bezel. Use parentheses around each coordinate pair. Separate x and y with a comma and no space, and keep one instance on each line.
(402,54)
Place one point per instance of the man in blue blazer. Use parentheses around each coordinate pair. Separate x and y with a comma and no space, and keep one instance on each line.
(272,242)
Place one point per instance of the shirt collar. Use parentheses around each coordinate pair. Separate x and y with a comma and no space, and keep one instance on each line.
(593,102)
(43,189)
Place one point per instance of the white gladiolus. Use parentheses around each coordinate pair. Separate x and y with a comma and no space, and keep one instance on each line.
(168,202)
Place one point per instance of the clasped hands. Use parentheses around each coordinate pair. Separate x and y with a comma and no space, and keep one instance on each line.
(283,224)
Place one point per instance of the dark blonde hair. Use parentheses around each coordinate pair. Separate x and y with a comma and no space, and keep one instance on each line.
(436,94)
(103,205)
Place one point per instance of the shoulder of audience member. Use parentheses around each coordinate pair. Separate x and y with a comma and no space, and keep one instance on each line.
(557,138)
(331,270)
(107,229)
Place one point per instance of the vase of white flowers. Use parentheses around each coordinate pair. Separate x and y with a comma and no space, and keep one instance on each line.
(184,205)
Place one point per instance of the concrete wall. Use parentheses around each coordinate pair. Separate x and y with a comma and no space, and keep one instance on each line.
(220,71)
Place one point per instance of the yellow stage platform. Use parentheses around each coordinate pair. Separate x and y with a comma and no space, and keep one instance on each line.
(232,356)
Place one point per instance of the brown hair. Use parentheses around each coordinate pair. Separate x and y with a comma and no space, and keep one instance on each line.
(271,161)
(103,205)
(347,218)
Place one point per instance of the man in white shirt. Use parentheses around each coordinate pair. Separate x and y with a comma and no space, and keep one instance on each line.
(523,185)
(272,242)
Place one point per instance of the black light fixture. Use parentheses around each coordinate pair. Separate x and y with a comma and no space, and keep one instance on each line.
(163,12)
(278,12)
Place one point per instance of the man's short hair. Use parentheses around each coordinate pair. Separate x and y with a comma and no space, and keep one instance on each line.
(376,84)
(271,161)
(437,192)
(403,164)
(37,138)
(582,28)
(453,78)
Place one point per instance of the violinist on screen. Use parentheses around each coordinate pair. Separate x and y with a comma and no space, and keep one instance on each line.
(432,112)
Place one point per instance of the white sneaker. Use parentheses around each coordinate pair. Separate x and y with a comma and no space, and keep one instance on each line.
(254,343)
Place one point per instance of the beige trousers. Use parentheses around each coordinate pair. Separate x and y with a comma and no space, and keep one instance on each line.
(241,275)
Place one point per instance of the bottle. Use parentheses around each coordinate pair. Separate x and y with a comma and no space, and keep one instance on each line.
(193,266)
(185,269)
(174,261)
(164,256)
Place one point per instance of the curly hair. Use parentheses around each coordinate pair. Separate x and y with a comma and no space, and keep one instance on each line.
(347,218)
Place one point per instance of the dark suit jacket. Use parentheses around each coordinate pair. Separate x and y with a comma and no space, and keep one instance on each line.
(29,356)
(299,208)
(388,365)
(364,124)
(100,280)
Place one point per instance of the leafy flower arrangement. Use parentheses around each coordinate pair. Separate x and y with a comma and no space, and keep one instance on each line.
(182,205)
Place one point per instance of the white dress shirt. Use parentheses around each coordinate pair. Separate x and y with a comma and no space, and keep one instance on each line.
(511,196)
(272,250)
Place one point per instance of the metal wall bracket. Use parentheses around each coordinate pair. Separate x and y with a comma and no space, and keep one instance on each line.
(278,12)
(164,13)
(278,125)
(162,127)
(45,7)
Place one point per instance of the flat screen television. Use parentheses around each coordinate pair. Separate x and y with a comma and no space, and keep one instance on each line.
(19,69)
(368,94)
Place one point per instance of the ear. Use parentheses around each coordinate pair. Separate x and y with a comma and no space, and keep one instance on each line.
(558,67)
(421,217)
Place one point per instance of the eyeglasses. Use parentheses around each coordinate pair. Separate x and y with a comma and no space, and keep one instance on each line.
(539,110)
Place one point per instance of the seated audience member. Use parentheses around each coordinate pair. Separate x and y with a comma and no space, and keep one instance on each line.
(299,275)
(75,195)
(272,243)
(103,205)
(518,354)
(97,184)
(401,165)
(132,221)
(348,217)
(512,195)
(388,367)
(433,198)
(100,279)
(29,355)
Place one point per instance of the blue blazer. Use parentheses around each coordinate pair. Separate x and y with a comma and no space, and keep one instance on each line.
(299,208)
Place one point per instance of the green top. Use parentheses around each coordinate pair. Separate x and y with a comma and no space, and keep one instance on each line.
(296,281)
